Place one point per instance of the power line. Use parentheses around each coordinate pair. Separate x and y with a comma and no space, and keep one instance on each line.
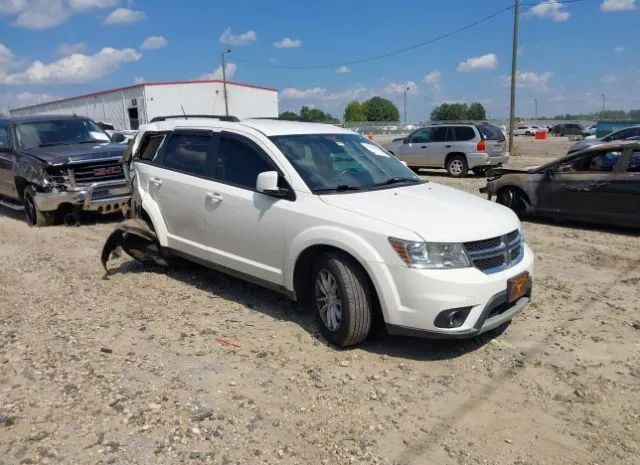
(404,49)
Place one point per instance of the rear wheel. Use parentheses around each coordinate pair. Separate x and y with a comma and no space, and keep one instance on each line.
(341,299)
(514,199)
(33,215)
(457,166)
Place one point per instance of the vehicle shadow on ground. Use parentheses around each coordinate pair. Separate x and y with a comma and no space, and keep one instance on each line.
(443,174)
(279,307)
(10,213)
(86,218)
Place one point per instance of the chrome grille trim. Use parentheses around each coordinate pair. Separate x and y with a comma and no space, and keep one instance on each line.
(81,174)
(497,253)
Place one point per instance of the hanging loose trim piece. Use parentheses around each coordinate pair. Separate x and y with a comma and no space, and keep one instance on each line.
(137,239)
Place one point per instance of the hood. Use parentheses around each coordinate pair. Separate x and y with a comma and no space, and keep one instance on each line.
(436,213)
(63,154)
(500,171)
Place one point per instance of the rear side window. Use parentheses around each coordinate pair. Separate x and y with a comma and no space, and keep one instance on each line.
(634,163)
(188,153)
(421,136)
(439,134)
(490,132)
(239,163)
(463,133)
(149,147)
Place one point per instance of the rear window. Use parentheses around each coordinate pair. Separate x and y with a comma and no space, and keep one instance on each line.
(490,132)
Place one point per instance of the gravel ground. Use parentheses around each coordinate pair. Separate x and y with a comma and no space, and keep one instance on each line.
(192,366)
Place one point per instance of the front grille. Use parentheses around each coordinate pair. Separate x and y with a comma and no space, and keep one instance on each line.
(497,253)
(96,171)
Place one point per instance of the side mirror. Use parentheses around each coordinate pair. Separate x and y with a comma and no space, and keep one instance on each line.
(405,140)
(118,138)
(267,183)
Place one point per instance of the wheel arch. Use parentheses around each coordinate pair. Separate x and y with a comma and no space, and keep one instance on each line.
(450,155)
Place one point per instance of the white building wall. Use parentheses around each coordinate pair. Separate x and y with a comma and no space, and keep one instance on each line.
(208,98)
(163,99)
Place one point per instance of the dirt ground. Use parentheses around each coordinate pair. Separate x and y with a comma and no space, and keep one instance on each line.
(147,367)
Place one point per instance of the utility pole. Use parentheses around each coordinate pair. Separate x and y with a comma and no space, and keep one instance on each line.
(224,81)
(603,98)
(514,55)
(405,104)
(535,101)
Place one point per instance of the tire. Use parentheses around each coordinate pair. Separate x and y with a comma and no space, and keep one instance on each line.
(33,215)
(513,199)
(340,279)
(528,133)
(457,166)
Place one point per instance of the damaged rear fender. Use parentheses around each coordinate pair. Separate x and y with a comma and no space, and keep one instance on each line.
(136,237)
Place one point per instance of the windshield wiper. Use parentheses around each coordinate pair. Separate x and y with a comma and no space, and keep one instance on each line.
(91,141)
(341,187)
(51,144)
(396,180)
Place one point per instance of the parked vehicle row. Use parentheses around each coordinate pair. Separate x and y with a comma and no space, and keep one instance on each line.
(622,134)
(456,147)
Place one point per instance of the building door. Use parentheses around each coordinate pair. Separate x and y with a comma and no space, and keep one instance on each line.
(134,122)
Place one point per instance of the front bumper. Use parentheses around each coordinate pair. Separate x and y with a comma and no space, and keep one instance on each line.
(479,159)
(411,299)
(101,197)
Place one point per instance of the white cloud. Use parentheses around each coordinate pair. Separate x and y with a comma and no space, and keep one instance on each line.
(74,68)
(153,42)
(41,14)
(609,6)
(549,9)
(124,16)
(12,7)
(488,61)
(138,80)
(230,69)
(23,99)
(394,88)
(618,50)
(86,5)
(343,69)
(238,40)
(287,43)
(320,94)
(69,49)
(608,79)
(291,93)
(6,56)
(433,77)
(529,80)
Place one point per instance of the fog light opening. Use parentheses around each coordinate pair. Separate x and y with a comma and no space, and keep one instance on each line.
(452,318)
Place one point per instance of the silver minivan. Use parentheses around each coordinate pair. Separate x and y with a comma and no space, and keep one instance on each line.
(456,147)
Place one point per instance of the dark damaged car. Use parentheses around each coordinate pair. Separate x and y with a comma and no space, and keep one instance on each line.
(597,185)
(55,167)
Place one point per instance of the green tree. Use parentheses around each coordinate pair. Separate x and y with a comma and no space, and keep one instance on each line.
(449,112)
(476,112)
(354,112)
(380,109)
(289,116)
(316,116)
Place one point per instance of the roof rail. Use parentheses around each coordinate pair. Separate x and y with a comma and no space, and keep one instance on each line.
(232,119)
(459,122)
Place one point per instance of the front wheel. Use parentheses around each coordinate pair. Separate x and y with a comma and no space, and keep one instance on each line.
(341,299)
(514,199)
(457,166)
(33,215)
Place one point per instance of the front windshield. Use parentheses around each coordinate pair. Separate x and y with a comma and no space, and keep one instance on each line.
(58,132)
(340,162)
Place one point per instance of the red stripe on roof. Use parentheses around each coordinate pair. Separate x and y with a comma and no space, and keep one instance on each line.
(142,84)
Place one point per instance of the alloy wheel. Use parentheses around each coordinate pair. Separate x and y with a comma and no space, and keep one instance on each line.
(455,167)
(328,300)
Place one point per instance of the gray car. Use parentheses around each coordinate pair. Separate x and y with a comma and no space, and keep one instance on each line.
(456,147)
(621,134)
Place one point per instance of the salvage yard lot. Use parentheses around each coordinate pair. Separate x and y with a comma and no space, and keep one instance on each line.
(192,366)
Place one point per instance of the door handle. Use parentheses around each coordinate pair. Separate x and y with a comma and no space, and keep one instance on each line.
(448,146)
(423,146)
(155,181)
(213,197)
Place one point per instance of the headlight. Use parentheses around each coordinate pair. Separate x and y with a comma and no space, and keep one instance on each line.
(430,255)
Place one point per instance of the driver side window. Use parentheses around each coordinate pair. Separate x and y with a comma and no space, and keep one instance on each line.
(598,162)
(421,136)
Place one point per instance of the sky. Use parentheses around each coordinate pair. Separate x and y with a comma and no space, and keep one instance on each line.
(570,54)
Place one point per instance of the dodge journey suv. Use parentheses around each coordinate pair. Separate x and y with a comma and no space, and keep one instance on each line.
(456,147)
(328,218)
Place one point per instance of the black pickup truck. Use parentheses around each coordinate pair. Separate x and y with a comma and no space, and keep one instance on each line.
(54,167)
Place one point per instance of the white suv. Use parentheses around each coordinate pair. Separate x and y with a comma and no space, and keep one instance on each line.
(329,218)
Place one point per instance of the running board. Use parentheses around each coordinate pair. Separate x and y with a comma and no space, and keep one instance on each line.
(11,205)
